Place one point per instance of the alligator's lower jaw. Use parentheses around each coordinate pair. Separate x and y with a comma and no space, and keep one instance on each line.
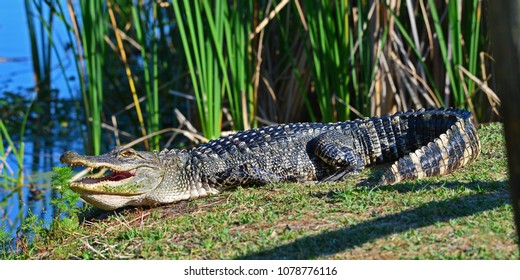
(116,183)
(108,201)
(108,189)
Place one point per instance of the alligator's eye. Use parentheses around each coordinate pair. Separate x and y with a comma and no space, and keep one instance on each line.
(128,153)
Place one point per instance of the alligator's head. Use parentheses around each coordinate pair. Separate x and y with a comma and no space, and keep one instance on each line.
(133,176)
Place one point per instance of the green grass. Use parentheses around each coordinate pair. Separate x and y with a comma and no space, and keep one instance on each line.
(466,215)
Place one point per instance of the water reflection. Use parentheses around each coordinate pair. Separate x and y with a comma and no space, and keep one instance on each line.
(42,152)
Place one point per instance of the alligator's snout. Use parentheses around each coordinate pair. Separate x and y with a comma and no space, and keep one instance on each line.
(69,157)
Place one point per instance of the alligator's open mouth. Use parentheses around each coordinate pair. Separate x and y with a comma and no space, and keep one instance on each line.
(115,182)
(112,176)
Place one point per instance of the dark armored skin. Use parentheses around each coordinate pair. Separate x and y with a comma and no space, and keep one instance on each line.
(420,144)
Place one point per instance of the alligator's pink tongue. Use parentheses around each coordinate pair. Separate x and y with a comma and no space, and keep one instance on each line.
(114,176)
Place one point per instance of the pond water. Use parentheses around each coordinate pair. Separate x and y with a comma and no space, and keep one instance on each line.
(42,153)
(16,72)
(42,150)
(15,52)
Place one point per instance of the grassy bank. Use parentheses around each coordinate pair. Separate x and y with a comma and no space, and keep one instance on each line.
(466,215)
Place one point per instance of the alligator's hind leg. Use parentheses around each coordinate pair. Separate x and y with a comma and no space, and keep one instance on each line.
(336,150)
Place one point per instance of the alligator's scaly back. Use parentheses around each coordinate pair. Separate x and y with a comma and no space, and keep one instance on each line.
(419,144)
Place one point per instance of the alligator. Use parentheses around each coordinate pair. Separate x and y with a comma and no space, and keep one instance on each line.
(417,144)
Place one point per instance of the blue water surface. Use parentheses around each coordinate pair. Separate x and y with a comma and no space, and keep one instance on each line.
(42,152)
(15,51)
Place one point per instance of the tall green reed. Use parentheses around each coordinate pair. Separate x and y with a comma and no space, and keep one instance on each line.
(215,38)
(329,41)
(362,59)
(93,21)
(455,38)
(454,27)
(202,64)
(143,27)
(238,18)
(344,48)
(85,29)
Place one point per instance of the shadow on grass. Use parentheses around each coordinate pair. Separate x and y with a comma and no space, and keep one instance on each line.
(335,241)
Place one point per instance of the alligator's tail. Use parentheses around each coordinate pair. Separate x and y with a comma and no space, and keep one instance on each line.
(450,150)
